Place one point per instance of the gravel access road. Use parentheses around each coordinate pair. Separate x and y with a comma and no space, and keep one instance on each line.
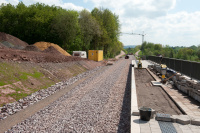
(99,104)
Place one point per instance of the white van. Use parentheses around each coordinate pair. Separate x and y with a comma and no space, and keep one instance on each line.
(81,54)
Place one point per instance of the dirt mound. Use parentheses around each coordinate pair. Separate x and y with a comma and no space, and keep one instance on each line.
(52,50)
(34,56)
(1,45)
(11,41)
(31,48)
(44,45)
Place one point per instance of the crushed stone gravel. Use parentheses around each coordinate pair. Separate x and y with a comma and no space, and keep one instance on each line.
(99,104)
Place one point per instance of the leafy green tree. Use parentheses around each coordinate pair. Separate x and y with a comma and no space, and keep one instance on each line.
(110,27)
(70,29)
(89,29)
(66,26)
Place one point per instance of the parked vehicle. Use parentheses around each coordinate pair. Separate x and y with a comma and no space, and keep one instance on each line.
(126,57)
(81,54)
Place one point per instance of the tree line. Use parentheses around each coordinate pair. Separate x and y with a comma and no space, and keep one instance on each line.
(191,53)
(70,29)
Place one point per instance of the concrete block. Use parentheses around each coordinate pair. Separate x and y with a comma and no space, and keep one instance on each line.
(163,117)
(174,117)
(136,113)
(196,86)
(198,98)
(183,89)
(182,119)
(174,78)
(195,121)
(153,113)
(179,87)
(178,76)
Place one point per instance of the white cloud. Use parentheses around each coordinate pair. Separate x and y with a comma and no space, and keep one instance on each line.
(138,8)
(13,2)
(152,17)
(71,6)
(174,29)
(47,2)
(3,1)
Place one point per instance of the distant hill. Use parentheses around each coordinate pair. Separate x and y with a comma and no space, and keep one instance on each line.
(129,46)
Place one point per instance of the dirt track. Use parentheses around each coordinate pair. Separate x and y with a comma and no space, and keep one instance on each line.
(99,104)
(153,96)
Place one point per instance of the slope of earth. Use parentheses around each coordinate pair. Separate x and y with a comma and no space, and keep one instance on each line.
(100,103)
(10,41)
(21,78)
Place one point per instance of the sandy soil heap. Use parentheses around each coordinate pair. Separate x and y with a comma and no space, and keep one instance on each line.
(10,41)
(52,50)
(31,48)
(44,45)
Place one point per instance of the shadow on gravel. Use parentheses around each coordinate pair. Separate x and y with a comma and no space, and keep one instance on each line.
(124,122)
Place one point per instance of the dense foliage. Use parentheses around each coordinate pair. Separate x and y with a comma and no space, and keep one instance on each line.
(186,53)
(72,30)
(133,50)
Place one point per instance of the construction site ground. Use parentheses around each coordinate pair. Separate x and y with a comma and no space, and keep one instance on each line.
(99,102)
(153,96)
(188,105)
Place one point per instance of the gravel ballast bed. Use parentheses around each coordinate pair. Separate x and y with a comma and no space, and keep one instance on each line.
(95,105)
(15,107)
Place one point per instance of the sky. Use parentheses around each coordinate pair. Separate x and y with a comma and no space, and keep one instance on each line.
(167,22)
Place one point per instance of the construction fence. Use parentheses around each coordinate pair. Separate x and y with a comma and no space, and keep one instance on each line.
(189,68)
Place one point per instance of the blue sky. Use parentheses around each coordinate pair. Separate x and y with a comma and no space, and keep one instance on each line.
(186,5)
(168,22)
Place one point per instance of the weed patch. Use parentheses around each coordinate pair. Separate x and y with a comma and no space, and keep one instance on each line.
(17,96)
(2,83)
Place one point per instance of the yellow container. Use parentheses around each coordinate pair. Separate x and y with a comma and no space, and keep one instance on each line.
(96,55)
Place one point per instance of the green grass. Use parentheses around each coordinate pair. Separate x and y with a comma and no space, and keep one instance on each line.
(12,73)
(17,96)
(140,53)
(2,83)
(24,75)
(37,75)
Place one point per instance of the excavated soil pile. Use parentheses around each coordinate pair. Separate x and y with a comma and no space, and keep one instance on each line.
(34,56)
(44,45)
(153,96)
(11,41)
(31,48)
(52,50)
(1,45)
